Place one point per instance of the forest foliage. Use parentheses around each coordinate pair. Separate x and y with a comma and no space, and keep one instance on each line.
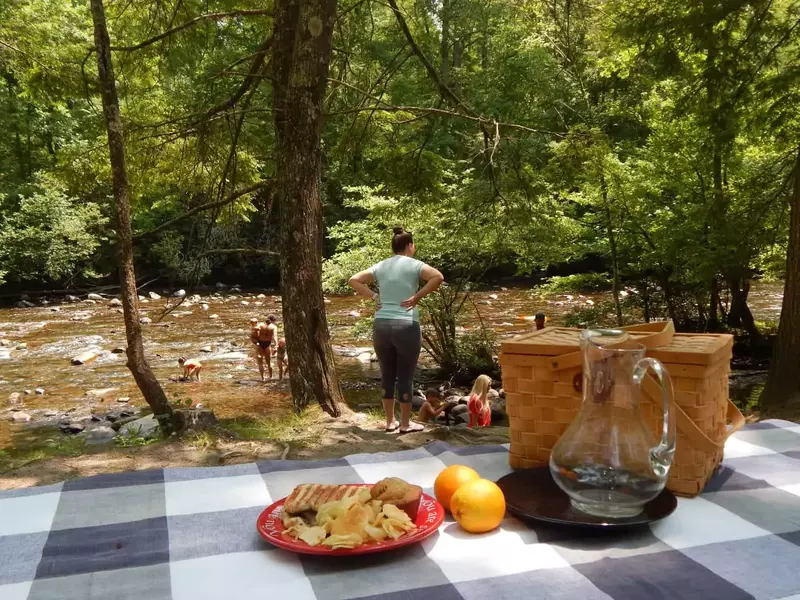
(656,136)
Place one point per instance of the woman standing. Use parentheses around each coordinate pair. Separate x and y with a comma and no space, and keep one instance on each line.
(397,337)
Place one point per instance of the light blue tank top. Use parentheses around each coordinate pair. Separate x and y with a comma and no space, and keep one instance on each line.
(398,279)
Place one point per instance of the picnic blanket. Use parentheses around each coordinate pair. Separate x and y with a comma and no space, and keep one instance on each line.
(189,534)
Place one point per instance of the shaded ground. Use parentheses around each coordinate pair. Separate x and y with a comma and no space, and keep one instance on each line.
(314,436)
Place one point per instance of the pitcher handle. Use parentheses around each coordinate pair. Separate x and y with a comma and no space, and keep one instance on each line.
(661,455)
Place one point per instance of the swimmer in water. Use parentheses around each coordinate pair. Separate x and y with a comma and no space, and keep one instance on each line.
(191,368)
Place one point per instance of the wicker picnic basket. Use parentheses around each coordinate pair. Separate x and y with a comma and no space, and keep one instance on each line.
(541,378)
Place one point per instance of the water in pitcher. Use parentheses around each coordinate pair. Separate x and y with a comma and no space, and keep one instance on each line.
(604,492)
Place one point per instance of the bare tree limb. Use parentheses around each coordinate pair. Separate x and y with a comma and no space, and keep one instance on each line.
(207,206)
(252,78)
(243,251)
(190,23)
(386,107)
(447,93)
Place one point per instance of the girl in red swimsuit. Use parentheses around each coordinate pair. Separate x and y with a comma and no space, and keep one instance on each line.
(480,413)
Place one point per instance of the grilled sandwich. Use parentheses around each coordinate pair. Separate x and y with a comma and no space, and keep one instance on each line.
(308,497)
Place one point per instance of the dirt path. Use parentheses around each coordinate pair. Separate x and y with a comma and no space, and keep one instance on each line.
(326,438)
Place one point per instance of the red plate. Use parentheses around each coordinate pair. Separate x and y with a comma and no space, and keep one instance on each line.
(429,517)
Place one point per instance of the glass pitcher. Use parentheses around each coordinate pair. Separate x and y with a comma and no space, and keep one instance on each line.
(607,460)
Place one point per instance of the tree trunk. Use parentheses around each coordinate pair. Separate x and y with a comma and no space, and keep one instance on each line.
(444,18)
(137,363)
(739,314)
(712,324)
(783,382)
(458,55)
(301,58)
(612,242)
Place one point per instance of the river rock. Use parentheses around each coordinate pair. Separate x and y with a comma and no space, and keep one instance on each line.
(146,427)
(154,296)
(28,392)
(89,301)
(19,417)
(115,302)
(354,313)
(463,400)
(44,302)
(364,357)
(145,320)
(25,304)
(15,399)
(5,354)
(197,418)
(84,357)
(493,296)
(80,317)
(50,412)
(100,435)
(179,294)
(220,286)
(72,427)
(95,297)
(244,303)
(123,399)
(55,309)
(261,296)
(101,392)
(71,298)
(24,297)
(417,402)
(204,306)
(140,297)
(326,301)
(231,356)
(206,349)
(39,391)
(21,346)
(236,290)
(118,350)
(213,317)
(492,394)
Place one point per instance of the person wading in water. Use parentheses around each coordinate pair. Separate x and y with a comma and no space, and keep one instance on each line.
(397,337)
(263,335)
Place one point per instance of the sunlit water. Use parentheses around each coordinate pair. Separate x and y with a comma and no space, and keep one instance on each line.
(230,387)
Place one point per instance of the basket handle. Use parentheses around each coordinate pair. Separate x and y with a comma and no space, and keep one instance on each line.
(688,427)
(658,334)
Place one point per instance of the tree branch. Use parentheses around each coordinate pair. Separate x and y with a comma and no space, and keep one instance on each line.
(207,206)
(190,23)
(243,251)
(386,107)
(250,79)
(447,93)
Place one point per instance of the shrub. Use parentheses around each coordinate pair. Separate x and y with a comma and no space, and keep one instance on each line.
(580,282)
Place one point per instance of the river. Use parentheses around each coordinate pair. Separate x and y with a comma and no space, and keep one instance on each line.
(38,344)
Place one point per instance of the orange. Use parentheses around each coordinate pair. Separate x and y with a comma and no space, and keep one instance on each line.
(449,480)
(478,506)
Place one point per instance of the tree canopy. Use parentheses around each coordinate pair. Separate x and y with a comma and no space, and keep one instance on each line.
(659,137)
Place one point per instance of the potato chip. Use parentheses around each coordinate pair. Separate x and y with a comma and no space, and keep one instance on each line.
(391,511)
(350,540)
(376,534)
(313,536)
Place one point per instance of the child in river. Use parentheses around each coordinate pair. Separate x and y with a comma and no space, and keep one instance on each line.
(191,368)
(283,362)
(433,407)
(480,413)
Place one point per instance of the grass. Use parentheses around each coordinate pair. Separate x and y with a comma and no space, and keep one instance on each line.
(13,458)
(291,428)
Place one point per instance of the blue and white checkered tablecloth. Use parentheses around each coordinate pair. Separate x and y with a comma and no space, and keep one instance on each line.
(189,534)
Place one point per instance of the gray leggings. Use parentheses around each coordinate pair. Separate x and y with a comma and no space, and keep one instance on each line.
(397,343)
